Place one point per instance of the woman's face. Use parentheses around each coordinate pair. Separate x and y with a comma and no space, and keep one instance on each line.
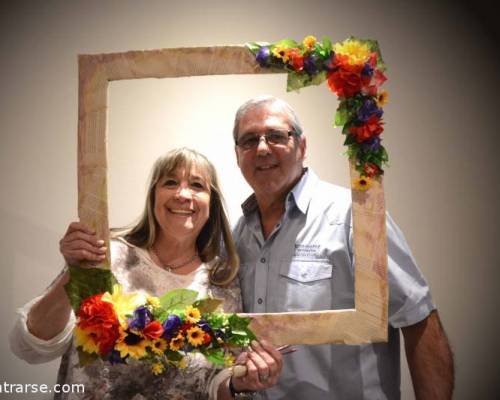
(182,204)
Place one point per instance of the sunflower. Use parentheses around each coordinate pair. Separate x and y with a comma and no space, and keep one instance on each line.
(281,53)
(228,360)
(158,346)
(177,342)
(131,344)
(124,304)
(195,336)
(87,340)
(157,368)
(193,315)
(362,183)
(356,51)
(153,301)
(382,98)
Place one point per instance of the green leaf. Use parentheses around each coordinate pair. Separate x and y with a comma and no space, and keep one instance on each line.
(287,43)
(215,356)
(173,355)
(255,46)
(350,139)
(85,358)
(85,282)
(178,299)
(327,43)
(298,80)
(208,305)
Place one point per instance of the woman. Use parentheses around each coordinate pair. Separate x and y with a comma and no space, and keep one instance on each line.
(175,244)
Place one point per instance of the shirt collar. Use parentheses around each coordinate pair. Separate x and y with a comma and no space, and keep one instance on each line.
(301,194)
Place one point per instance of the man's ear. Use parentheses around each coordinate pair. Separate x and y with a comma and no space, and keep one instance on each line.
(237,155)
(303,145)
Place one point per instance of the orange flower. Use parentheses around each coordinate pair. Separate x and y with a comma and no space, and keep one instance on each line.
(346,81)
(153,330)
(372,127)
(371,170)
(297,59)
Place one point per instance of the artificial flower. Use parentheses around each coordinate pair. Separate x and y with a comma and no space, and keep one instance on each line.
(177,342)
(309,42)
(158,346)
(87,340)
(124,304)
(153,330)
(281,53)
(297,59)
(131,344)
(346,81)
(371,170)
(228,360)
(263,56)
(171,326)
(362,183)
(357,52)
(192,314)
(195,336)
(382,98)
(372,127)
(141,317)
(368,108)
(157,368)
(153,301)
(311,64)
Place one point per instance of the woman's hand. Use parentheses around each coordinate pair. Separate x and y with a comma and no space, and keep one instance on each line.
(263,364)
(79,244)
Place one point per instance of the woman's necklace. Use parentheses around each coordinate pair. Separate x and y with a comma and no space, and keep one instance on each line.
(172,267)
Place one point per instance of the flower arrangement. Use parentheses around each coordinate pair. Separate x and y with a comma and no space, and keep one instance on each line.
(354,71)
(121,328)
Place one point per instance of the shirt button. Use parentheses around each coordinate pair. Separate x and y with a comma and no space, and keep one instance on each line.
(262,260)
(259,301)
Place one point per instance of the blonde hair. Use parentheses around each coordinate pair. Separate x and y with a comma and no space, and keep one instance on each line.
(215,231)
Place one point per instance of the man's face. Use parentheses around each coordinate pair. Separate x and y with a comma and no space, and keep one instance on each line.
(270,169)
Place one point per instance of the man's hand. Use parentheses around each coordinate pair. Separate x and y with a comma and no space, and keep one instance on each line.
(429,358)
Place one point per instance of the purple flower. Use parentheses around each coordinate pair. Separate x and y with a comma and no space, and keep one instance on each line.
(367,70)
(372,145)
(142,317)
(310,64)
(204,326)
(263,56)
(171,326)
(368,109)
(329,63)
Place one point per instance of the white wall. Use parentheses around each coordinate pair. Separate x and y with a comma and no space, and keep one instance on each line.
(441,134)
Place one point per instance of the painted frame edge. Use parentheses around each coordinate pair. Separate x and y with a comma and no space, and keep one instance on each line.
(365,324)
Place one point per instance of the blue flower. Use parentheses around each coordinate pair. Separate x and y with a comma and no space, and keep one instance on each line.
(372,145)
(142,317)
(204,325)
(329,63)
(263,56)
(310,64)
(368,109)
(114,357)
(367,70)
(171,326)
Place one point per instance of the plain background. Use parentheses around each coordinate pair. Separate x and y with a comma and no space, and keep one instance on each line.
(442,135)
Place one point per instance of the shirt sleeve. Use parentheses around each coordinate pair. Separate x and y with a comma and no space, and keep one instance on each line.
(33,349)
(410,298)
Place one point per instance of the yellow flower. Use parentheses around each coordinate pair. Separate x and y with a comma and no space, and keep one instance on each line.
(228,360)
(357,52)
(177,342)
(362,183)
(86,340)
(281,52)
(309,42)
(382,98)
(153,301)
(158,346)
(124,304)
(130,344)
(193,315)
(157,368)
(195,336)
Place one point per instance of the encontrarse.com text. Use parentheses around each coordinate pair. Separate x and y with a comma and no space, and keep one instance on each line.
(41,388)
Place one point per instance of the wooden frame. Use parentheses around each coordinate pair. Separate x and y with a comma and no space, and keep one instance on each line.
(366,323)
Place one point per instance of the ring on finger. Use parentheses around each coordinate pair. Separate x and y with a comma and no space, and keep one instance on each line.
(263,377)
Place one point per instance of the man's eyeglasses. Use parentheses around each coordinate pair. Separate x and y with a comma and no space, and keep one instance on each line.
(273,138)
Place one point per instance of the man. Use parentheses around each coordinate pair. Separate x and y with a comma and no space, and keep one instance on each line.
(295,245)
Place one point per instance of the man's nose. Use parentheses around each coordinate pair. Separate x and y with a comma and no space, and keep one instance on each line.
(263,146)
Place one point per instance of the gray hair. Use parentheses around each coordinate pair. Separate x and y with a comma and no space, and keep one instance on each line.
(265,101)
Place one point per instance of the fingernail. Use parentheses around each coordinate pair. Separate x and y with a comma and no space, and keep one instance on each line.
(100,242)
(255,343)
(103,249)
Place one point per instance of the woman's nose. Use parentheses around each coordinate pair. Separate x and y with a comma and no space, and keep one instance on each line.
(184,193)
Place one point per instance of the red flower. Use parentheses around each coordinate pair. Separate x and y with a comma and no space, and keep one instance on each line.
(297,59)
(153,330)
(99,317)
(371,170)
(346,80)
(372,127)
(185,327)
(207,338)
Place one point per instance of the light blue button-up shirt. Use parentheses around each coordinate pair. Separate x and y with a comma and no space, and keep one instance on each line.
(306,263)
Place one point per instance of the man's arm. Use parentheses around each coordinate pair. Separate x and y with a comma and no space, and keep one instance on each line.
(429,358)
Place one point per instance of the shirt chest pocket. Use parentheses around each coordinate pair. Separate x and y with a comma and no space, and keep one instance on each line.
(306,285)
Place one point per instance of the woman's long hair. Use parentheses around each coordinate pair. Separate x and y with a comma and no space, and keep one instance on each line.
(215,231)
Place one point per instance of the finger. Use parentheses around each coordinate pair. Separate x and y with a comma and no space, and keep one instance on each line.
(78,256)
(84,245)
(80,235)
(264,372)
(78,226)
(269,354)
